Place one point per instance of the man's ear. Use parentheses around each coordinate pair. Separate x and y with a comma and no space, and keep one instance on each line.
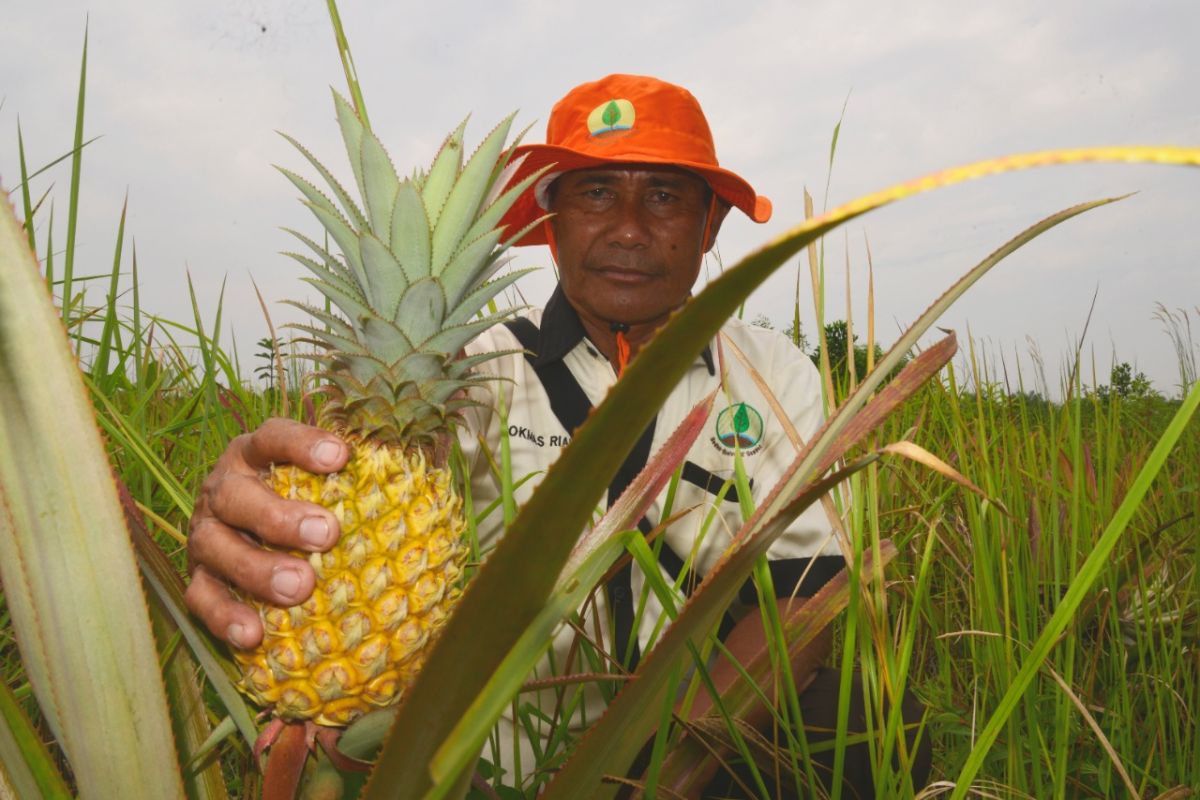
(720,209)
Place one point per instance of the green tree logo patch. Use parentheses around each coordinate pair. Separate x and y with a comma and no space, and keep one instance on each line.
(611,115)
(739,425)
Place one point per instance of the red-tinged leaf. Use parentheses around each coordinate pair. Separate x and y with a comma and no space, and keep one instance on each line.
(285,763)
(648,484)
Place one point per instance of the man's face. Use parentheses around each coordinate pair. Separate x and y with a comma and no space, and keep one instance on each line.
(630,240)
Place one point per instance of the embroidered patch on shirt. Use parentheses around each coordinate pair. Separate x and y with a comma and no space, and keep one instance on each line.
(739,426)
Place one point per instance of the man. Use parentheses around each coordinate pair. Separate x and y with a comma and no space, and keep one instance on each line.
(637,198)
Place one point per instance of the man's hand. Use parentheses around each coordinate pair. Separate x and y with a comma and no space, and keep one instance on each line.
(236,507)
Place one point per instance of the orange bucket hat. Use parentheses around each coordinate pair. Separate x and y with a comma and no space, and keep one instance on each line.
(625,119)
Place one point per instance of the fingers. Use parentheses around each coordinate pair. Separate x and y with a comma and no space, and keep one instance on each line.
(209,599)
(285,441)
(233,499)
(218,551)
(243,501)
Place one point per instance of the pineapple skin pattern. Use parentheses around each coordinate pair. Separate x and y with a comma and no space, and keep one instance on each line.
(383,592)
(410,284)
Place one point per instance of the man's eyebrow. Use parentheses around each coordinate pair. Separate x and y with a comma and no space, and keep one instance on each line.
(669,181)
(602,177)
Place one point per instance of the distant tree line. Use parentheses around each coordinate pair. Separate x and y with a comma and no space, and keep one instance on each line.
(836,341)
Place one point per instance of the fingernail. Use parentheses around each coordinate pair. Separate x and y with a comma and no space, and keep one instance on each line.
(235,634)
(285,582)
(326,453)
(314,532)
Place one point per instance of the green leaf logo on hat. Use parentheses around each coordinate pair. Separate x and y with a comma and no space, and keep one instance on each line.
(609,116)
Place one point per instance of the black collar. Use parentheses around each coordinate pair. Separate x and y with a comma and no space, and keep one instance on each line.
(561,331)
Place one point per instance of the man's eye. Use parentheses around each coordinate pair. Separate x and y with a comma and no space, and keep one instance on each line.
(662,197)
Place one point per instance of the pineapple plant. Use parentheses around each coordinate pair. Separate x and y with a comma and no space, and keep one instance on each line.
(414,275)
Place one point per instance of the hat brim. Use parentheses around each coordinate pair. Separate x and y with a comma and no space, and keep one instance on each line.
(727,185)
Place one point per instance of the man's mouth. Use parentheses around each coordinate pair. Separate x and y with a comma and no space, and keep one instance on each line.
(626,275)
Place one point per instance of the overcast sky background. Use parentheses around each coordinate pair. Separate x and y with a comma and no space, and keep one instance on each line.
(187,96)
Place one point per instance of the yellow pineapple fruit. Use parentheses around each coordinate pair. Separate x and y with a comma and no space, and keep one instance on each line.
(411,284)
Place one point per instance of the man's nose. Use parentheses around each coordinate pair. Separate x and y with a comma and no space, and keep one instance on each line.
(631,224)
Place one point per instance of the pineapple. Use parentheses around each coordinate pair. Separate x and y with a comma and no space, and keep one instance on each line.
(411,283)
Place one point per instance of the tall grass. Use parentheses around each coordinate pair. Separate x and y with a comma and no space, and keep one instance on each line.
(1113,707)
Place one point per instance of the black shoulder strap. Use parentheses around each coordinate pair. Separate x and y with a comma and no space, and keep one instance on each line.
(571,405)
(567,399)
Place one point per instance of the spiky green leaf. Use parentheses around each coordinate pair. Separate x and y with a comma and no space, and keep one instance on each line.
(339,281)
(496,207)
(346,239)
(471,260)
(380,184)
(353,307)
(410,240)
(68,569)
(470,305)
(352,133)
(386,281)
(422,310)
(442,174)
(465,197)
(351,209)
(330,261)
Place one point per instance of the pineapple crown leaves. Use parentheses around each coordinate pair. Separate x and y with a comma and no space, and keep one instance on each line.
(351,208)
(414,412)
(398,245)
(330,272)
(435,185)
(328,262)
(415,271)
(327,339)
(473,303)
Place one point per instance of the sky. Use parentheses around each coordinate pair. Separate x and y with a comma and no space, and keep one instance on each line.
(187,99)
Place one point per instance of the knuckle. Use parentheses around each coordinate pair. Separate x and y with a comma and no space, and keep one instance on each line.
(200,531)
(234,451)
(244,571)
(189,595)
(252,571)
(270,428)
(199,598)
(274,518)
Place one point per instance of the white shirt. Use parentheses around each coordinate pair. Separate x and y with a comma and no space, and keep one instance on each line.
(741,411)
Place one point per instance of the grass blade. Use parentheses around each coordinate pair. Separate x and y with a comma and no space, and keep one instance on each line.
(76,168)
(26,201)
(101,369)
(27,766)
(343,47)
(688,768)
(168,589)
